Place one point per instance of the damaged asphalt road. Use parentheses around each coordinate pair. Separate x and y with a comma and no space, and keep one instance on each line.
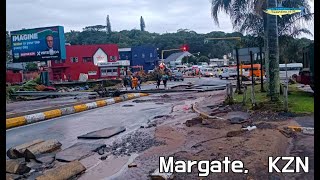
(163,125)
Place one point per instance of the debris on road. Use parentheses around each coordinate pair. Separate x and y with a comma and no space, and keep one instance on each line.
(287,132)
(194,121)
(309,131)
(103,157)
(103,133)
(66,171)
(156,175)
(78,151)
(12,176)
(237,120)
(132,165)
(128,105)
(133,143)
(264,125)
(250,128)
(35,147)
(17,166)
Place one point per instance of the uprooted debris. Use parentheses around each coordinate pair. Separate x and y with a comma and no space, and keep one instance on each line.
(287,132)
(132,143)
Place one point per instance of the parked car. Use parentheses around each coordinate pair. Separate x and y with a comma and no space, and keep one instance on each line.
(207,72)
(189,72)
(176,76)
(228,73)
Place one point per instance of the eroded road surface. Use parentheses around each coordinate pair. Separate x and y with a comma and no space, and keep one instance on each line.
(166,125)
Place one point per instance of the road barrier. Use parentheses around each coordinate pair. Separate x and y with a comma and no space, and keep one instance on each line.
(37,117)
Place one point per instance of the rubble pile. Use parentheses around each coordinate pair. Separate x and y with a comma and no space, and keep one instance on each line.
(37,160)
(132,143)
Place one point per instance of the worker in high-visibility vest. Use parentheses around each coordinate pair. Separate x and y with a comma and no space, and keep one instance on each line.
(134,82)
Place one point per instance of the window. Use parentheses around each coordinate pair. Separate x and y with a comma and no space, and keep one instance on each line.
(74,59)
(57,61)
(143,55)
(151,55)
(87,59)
(113,58)
(109,70)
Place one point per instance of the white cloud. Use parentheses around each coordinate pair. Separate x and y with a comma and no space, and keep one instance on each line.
(160,16)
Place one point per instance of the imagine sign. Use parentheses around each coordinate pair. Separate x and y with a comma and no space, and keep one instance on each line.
(39,44)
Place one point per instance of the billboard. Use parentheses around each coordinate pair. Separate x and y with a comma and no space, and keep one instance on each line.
(244,53)
(39,44)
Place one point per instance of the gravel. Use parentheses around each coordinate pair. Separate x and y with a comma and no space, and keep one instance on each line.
(133,143)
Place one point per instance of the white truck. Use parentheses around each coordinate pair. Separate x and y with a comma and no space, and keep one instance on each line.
(228,73)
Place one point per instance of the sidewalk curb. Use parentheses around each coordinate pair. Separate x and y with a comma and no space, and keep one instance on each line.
(37,117)
(205,115)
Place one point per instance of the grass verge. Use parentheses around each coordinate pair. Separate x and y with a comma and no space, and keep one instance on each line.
(299,102)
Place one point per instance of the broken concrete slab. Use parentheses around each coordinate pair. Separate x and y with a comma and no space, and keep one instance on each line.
(17,152)
(237,120)
(239,114)
(45,147)
(17,166)
(194,121)
(132,165)
(63,172)
(156,175)
(46,158)
(12,176)
(103,133)
(78,151)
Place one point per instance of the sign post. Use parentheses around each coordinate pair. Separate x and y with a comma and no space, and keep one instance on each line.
(261,68)
(238,76)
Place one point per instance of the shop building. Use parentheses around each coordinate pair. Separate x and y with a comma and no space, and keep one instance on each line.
(98,61)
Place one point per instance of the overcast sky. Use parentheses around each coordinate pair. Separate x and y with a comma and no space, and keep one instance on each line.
(160,15)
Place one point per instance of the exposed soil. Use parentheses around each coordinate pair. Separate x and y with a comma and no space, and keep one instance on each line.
(188,138)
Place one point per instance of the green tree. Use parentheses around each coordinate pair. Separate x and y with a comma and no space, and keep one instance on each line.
(273,54)
(142,24)
(8,47)
(248,16)
(108,25)
(204,59)
(31,66)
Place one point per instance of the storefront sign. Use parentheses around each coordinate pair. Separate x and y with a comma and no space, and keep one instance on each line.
(100,57)
(118,63)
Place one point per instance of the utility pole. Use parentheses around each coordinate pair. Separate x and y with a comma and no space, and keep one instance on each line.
(238,90)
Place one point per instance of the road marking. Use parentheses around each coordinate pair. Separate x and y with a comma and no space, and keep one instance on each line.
(14,122)
(79,108)
(52,113)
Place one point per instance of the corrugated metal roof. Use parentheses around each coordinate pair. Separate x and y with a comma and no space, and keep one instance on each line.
(175,56)
(124,49)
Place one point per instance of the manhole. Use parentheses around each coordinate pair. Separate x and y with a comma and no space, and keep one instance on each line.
(159,103)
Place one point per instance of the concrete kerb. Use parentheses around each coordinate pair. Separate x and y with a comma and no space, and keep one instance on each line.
(37,117)
(204,115)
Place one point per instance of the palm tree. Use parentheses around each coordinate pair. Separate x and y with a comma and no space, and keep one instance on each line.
(247,16)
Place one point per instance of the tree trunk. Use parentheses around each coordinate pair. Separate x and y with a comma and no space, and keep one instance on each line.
(273,46)
(266,49)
